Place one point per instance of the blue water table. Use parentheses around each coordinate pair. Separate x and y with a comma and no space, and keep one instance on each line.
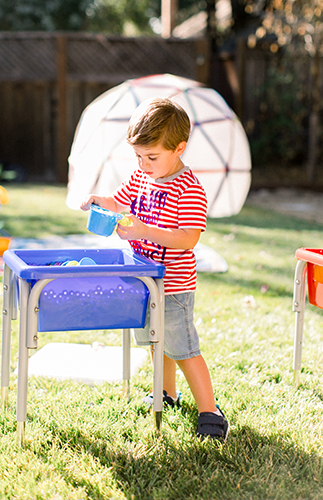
(80,289)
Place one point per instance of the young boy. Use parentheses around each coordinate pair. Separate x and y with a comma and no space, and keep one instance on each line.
(168,209)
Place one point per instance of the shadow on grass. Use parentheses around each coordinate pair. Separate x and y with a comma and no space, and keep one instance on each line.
(279,245)
(266,219)
(248,285)
(248,466)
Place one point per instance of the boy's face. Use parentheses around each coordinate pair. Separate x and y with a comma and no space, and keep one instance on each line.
(158,162)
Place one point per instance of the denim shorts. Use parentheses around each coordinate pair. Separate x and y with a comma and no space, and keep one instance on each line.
(181,339)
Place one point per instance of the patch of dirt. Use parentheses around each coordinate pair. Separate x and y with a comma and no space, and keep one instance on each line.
(295,202)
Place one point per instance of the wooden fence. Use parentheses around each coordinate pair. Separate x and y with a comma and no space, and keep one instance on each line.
(47,79)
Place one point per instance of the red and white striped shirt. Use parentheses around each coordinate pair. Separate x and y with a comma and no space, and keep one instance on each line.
(176,202)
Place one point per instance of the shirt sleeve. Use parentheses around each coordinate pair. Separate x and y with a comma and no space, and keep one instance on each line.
(192,208)
(122,195)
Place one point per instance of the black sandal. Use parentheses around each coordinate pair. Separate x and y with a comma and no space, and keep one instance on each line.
(212,425)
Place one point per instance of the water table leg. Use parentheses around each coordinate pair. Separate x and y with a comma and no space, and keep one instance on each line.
(22,363)
(158,360)
(299,309)
(6,334)
(126,362)
(156,337)
(159,356)
(28,338)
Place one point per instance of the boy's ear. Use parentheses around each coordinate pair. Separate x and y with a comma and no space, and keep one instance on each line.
(181,148)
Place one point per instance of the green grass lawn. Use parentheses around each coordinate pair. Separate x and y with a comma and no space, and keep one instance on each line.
(87,443)
(40,211)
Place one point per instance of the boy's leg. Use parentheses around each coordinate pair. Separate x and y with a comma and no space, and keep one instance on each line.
(198,377)
(170,376)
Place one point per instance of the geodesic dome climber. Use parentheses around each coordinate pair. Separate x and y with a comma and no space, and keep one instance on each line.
(217,151)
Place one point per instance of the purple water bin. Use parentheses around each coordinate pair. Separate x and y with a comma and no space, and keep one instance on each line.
(93,303)
(102,292)
(102,221)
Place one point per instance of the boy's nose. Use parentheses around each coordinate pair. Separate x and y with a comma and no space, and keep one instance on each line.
(144,163)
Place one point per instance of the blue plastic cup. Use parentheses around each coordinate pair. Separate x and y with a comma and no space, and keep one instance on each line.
(102,221)
(87,261)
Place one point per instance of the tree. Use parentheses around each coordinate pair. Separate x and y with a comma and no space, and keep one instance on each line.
(50,15)
(298,29)
(123,17)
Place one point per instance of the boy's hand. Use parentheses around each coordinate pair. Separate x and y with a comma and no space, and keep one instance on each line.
(102,201)
(87,202)
(136,231)
(171,238)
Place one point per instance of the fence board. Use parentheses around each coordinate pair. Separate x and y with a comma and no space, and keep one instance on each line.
(42,95)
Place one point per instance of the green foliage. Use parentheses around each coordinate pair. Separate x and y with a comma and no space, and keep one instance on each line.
(296,24)
(87,443)
(26,15)
(123,17)
(132,18)
(107,16)
(280,134)
(119,17)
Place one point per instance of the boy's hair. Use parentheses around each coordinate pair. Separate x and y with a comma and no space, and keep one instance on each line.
(157,121)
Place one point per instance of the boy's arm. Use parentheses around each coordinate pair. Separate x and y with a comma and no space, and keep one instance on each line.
(171,238)
(102,201)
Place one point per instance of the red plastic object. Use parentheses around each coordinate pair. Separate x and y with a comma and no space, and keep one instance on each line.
(314,259)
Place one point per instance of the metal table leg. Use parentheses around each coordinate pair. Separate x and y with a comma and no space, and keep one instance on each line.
(126,362)
(156,335)
(159,356)
(6,334)
(299,308)
(22,363)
